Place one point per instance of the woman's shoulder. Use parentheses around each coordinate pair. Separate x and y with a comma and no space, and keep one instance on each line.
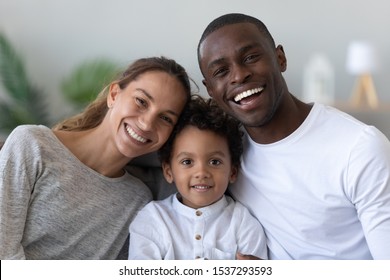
(28,134)
(30,129)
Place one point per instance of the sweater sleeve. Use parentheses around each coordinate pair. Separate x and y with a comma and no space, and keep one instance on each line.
(18,169)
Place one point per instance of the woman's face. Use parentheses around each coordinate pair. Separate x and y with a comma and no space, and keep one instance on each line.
(142,115)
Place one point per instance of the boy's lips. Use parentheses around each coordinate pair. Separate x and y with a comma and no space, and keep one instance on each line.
(201,187)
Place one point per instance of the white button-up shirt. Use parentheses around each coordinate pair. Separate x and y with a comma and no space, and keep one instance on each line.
(170,230)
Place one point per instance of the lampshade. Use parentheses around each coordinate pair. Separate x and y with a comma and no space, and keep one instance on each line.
(361,58)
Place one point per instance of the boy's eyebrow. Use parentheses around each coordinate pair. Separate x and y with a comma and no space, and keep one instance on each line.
(214,153)
(185,154)
(150,97)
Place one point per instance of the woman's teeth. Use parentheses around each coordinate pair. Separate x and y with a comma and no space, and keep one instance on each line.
(247,93)
(134,135)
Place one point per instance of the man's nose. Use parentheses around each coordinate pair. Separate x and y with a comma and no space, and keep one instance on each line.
(239,73)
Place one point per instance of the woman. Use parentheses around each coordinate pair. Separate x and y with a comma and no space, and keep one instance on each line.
(64,193)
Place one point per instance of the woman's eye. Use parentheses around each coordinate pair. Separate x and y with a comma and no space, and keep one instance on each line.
(141,102)
(167,119)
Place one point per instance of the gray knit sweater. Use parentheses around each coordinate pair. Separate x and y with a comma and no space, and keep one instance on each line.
(52,206)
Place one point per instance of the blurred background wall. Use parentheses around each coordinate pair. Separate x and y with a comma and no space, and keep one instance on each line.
(55,36)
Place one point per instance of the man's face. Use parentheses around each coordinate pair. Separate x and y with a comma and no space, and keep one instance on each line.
(242,72)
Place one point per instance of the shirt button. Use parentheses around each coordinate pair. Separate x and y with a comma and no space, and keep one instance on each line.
(198,213)
(198,237)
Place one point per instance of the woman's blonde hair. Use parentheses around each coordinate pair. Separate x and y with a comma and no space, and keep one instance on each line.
(95,112)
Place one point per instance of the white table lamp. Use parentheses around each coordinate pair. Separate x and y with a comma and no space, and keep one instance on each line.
(361,61)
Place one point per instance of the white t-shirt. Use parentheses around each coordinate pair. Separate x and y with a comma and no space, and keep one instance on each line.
(323,192)
(167,229)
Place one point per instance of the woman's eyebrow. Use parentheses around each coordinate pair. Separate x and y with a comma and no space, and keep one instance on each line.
(150,97)
(145,93)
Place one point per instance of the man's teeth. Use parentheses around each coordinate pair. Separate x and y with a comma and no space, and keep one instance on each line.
(135,135)
(201,187)
(247,93)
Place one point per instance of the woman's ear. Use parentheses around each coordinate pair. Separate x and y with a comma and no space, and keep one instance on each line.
(167,171)
(112,94)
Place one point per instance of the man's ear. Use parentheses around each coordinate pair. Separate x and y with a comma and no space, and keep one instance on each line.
(167,171)
(281,56)
(209,91)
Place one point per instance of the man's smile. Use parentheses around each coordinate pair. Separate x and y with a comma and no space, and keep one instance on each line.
(247,93)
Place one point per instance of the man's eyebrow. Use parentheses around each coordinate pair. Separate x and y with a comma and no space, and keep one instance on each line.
(215,62)
(150,97)
(246,48)
(222,59)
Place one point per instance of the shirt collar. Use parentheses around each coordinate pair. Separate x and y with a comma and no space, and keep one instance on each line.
(203,212)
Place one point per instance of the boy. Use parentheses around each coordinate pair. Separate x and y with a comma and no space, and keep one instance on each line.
(201,157)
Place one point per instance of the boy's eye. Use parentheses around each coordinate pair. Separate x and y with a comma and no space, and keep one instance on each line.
(186,162)
(215,162)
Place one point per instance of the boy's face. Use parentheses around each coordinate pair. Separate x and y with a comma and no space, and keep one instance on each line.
(200,166)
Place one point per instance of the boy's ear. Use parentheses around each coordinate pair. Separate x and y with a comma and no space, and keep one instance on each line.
(167,172)
(233,174)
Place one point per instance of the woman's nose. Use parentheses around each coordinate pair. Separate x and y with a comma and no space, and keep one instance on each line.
(146,122)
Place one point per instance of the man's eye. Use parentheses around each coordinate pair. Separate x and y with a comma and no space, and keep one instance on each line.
(220,72)
(251,58)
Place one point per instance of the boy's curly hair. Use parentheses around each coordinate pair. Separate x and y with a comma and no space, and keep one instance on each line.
(206,115)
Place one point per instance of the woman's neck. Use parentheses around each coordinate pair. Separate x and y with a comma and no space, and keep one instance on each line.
(95,150)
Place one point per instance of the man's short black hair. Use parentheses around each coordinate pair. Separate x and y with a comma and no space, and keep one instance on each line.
(232,19)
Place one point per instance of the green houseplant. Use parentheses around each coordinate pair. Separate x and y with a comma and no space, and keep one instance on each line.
(87,80)
(23,102)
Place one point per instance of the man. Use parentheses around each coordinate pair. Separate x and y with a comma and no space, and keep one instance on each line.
(317,179)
